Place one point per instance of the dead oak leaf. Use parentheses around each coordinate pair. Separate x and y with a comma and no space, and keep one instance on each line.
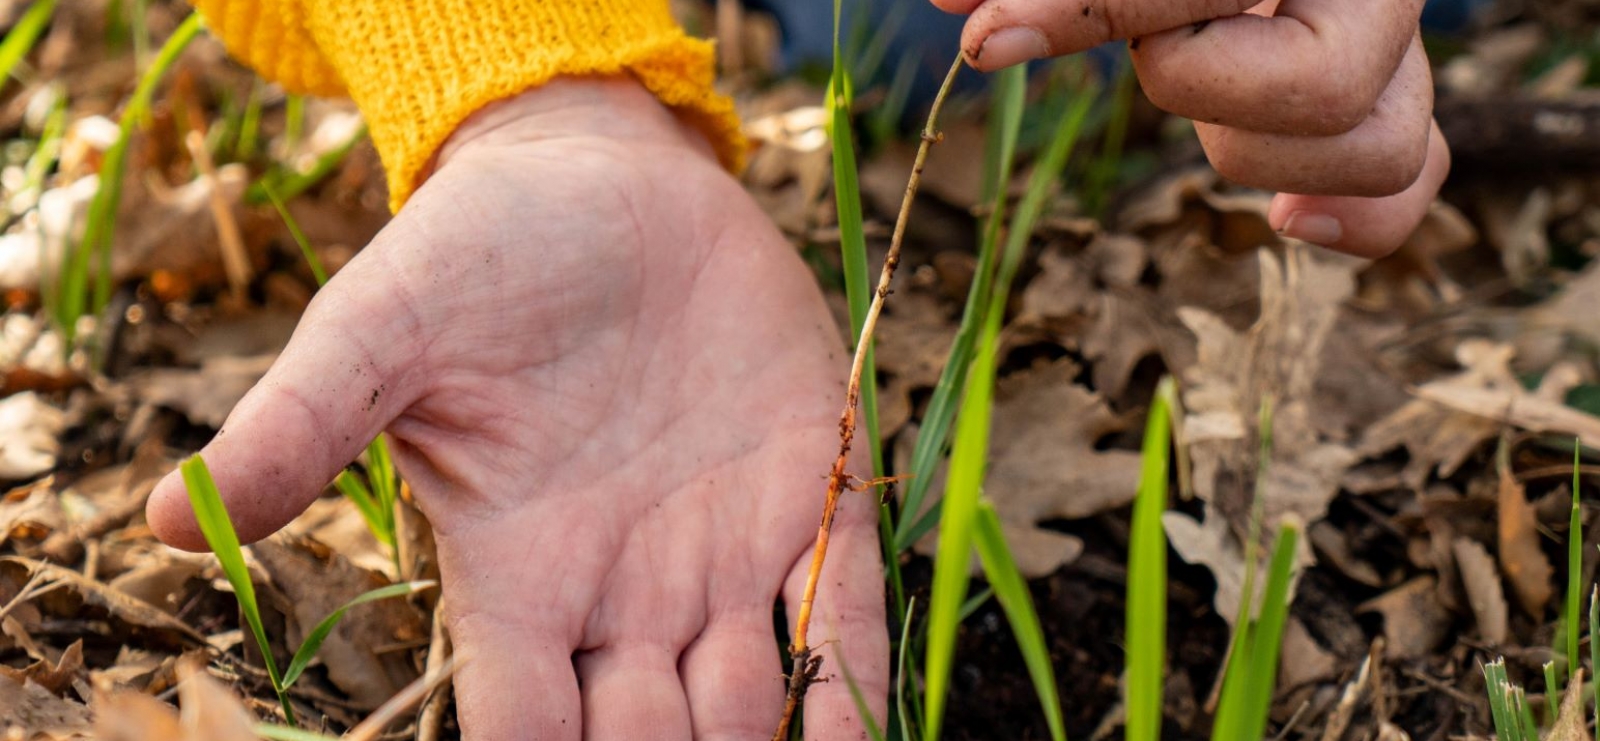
(56,676)
(81,591)
(1276,361)
(210,712)
(1571,723)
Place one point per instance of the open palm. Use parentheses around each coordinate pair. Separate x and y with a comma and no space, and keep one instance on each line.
(614,389)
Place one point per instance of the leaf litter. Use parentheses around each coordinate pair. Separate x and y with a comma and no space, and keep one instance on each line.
(1390,383)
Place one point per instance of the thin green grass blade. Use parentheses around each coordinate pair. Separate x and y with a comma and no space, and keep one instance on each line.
(96,241)
(1574,564)
(1267,642)
(1594,650)
(1012,591)
(212,516)
(874,731)
(310,255)
(308,649)
(1102,174)
(1494,688)
(1146,621)
(1010,95)
(968,461)
(244,148)
(23,35)
(1530,728)
(901,673)
(351,487)
(1552,690)
(973,603)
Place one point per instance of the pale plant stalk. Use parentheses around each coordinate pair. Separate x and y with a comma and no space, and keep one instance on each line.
(805,668)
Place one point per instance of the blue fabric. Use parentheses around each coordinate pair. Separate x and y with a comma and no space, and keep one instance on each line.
(925,36)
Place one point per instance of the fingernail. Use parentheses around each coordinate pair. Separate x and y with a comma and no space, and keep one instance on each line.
(1010,46)
(1312,227)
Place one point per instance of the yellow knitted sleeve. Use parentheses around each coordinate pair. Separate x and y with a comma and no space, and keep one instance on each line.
(418,68)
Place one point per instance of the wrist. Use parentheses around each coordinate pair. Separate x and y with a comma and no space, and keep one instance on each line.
(616,107)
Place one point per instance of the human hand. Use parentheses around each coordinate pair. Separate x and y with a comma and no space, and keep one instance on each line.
(1328,100)
(614,389)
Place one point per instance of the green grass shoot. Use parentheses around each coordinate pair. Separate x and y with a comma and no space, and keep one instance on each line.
(1252,671)
(1574,566)
(212,515)
(1507,725)
(1145,623)
(1594,649)
(310,255)
(23,35)
(1011,589)
(901,669)
(93,252)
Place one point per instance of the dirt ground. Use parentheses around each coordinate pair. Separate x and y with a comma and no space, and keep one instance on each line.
(1425,405)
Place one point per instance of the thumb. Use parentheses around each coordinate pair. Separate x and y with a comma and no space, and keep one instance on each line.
(336,385)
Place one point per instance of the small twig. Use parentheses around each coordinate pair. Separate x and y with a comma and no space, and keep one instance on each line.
(38,585)
(806,665)
(235,261)
(430,720)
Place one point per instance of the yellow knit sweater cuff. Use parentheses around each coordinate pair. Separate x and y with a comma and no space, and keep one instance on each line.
(418,68)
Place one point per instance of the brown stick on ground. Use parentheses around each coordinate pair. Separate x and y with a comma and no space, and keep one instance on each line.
(806,666)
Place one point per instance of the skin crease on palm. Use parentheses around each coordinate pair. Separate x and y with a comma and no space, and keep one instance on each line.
(615,388)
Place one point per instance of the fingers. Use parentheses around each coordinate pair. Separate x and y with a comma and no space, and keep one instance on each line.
(517,681)
(847,624)
(1368,227)
(1001,33)
(1381,157)
(631,691)
(733,678)
(1313,68)
(334,388)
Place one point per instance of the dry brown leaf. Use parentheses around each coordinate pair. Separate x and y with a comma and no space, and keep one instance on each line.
(315,587)
(87,591)
(33,713)
(32,511)
(131,670)
(1518,230)
(1441,438)
(1481,580)
(1414,623)
(1521,559)
(1277,360)
(207,395)
(54,677)
(1500,397)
